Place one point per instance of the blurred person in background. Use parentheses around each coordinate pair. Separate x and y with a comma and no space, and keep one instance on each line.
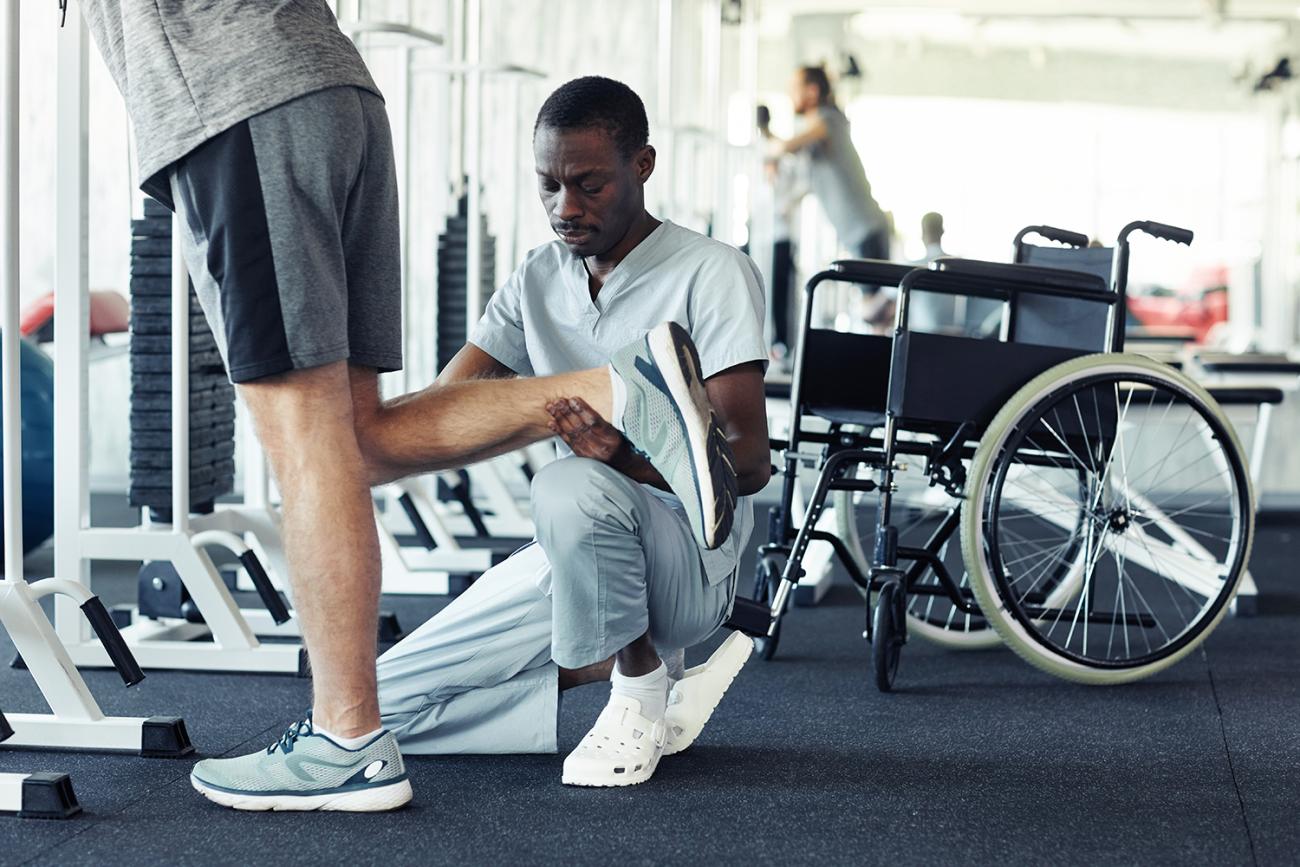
(835,173)
(932,236)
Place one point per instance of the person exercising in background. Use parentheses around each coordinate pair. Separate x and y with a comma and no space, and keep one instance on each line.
(835,171)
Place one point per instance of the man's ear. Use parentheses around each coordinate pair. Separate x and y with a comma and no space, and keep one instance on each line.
(645,163)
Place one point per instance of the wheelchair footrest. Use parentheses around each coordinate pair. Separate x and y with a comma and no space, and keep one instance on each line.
(750,617)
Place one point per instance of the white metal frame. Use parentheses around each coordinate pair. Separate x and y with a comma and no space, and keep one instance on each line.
(76,721)
(156,644)
(1258,446)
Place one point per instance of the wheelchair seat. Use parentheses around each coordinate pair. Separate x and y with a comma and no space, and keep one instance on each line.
(849,415)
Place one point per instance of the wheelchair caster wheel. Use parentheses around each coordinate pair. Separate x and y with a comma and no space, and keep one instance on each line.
(888,634)
(766,579)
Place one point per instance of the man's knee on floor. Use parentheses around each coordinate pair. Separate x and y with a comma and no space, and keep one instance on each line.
(573,492)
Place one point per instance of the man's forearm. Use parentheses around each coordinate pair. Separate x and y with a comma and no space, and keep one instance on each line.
(447,426)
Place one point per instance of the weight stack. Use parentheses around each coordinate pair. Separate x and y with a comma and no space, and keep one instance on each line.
(212,397)
(453,280)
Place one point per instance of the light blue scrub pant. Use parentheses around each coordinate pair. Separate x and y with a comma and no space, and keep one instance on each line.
(611,562)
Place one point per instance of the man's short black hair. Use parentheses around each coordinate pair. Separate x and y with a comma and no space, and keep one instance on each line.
(602,103)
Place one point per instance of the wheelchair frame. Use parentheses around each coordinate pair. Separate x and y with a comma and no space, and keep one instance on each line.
(951,426)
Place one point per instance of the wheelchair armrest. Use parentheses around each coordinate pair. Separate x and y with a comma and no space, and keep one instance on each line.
(872,271)
(1028,278)
(777,445)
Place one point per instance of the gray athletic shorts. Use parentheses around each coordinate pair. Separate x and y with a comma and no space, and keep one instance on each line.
(293,239)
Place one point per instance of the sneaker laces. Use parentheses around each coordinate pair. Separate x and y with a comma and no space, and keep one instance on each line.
(302,728)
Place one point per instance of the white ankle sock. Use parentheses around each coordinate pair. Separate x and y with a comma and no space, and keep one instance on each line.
(649,689)
(350,743)
(618,398)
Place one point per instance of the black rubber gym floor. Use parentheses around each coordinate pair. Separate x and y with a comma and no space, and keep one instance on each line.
(977,758)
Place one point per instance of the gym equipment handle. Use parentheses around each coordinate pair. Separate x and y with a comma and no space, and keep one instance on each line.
(114,644)
(270,598)
(1166,232)
(1062,236)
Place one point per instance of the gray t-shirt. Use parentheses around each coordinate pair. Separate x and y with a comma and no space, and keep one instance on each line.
(191,70)
(543,322)
(839,182)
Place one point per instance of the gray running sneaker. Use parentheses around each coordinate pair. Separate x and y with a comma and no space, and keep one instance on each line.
(668,419)
(305,770)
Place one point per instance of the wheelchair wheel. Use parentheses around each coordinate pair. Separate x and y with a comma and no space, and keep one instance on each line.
(767,577)
(1168,523)
(888,634)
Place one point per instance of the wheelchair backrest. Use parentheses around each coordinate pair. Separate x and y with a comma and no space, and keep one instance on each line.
(1063,322)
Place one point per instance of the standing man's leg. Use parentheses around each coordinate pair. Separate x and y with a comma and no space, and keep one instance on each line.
(292,244)
(304,422)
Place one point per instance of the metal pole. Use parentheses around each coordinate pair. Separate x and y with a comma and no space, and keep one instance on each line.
(71,321)
(9,347)
(180,383)
(512,249)
(473,134)
(663,110)
(718,216)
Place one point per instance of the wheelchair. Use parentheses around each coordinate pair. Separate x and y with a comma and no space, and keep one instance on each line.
(1029,484)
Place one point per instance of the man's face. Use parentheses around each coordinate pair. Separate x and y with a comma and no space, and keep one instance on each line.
(803,95)
(591,193)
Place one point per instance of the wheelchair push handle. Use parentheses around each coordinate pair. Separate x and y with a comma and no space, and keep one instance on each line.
(1163,231)
(1166,232)
(1051,233)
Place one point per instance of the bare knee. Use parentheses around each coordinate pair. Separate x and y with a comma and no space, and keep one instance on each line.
(304,420)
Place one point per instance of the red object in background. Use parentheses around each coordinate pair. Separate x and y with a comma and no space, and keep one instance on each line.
(1201,305)
(36,315)
(109,314)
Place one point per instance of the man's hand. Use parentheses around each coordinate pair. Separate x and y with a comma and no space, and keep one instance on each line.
(584,431)
(590,436)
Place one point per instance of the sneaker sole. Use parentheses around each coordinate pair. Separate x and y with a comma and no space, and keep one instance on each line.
(613,781)
(712,461)
(735,653)
(373,800)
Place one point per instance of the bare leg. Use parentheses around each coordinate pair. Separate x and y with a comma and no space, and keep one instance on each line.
(304,421)
(638,658)
(595,673)
(447,426)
